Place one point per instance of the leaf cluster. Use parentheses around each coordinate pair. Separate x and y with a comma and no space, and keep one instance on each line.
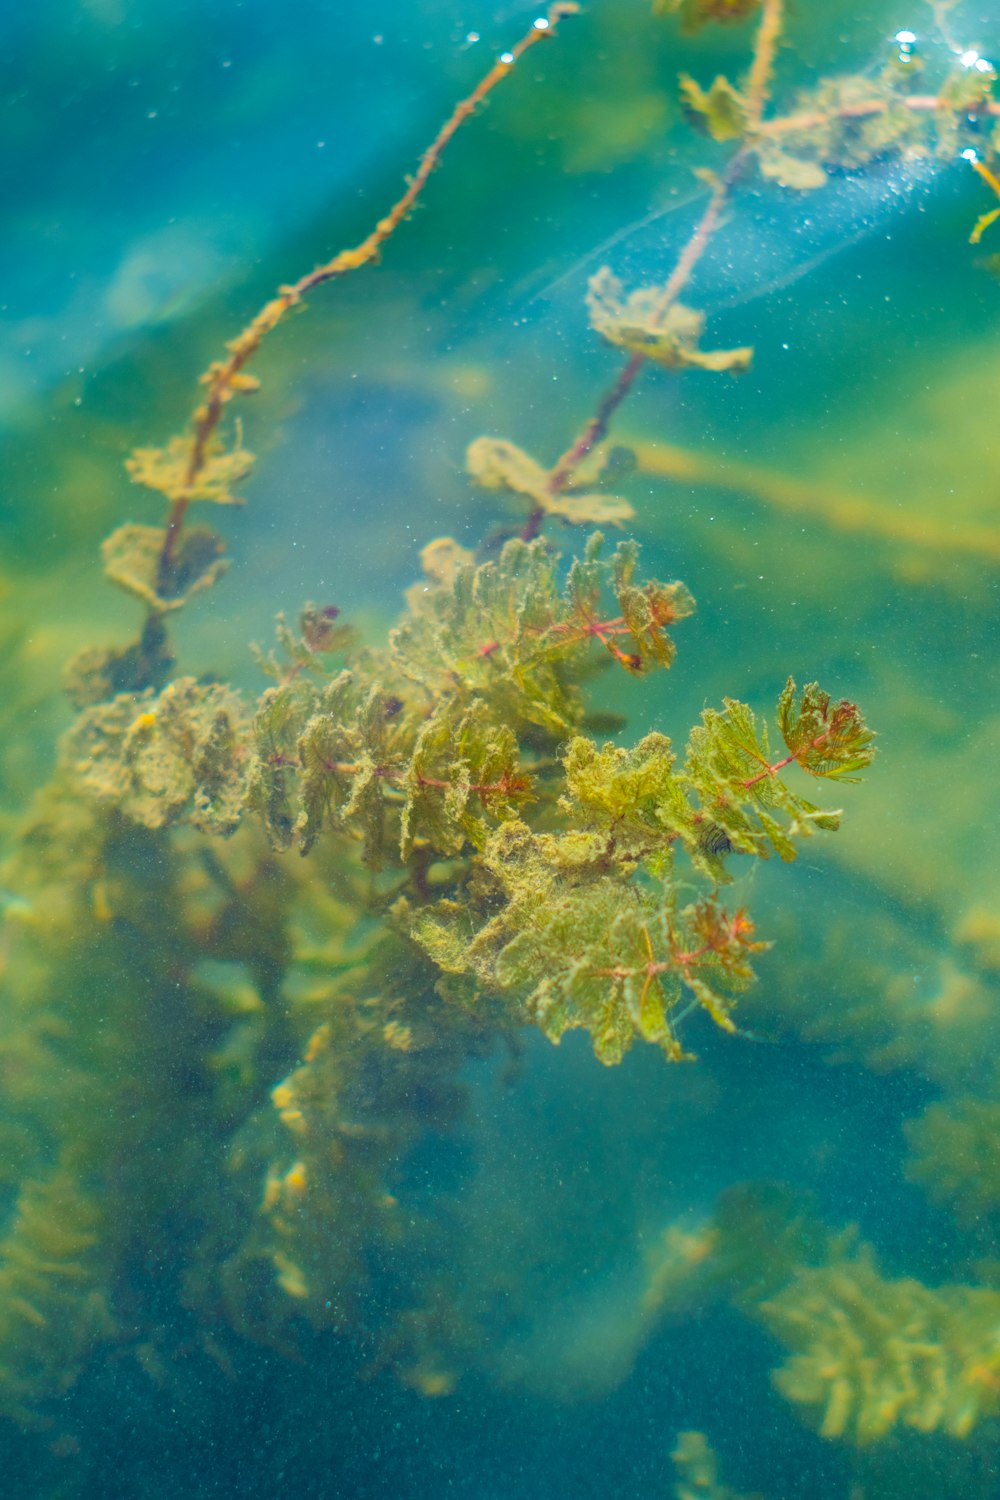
(731,769)
(168,470)
(667,334)
(132,561)
(537,865)
(495,464)
(869,1354)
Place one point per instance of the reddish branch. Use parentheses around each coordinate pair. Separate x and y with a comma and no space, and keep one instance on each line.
(757,93)
(510,784)
(758,86)
(223,377)
(733,932)
(843,717)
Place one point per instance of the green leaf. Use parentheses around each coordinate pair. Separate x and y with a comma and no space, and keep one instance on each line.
(132,562)
(827,739)
(721,111)
(495,464)
(790,171)
(667,335)
(165,470)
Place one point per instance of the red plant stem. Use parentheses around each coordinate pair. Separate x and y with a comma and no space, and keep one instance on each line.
(222,375)
(779,765)
(678,958)
(768,36)
(761,68)
(506,784)
(861,109)
(656,966)
(599,425)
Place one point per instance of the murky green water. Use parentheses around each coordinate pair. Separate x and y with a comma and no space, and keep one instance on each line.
(290,1197)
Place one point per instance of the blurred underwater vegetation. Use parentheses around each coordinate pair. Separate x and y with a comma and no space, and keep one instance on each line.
(294,1189)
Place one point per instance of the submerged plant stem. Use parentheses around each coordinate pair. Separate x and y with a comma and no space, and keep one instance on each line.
(758,89)
(223,377)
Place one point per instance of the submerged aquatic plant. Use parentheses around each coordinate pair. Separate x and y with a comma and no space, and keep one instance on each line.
(869,1353)
(462,741)
(479,856)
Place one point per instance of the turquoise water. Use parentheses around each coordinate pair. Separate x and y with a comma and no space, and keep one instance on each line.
(534,1273)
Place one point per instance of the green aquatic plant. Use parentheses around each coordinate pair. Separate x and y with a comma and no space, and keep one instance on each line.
(462,741)
(869,1354)
(955,1157)
(479,857)
(437,749)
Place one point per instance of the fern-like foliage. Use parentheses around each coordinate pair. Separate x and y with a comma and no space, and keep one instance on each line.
(536,868)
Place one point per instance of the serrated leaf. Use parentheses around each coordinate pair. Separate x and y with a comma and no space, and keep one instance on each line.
(826,739)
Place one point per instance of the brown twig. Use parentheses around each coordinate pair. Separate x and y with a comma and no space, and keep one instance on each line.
(223,376)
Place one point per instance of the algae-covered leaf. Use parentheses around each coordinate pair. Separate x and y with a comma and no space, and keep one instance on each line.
(166,470)
(790,171)
(365,805)
(132,561)
(632,796)
(463,775)
(273,769)
(489,634)
(325,750)
(496,464)
(635,323)
(582,963)
(571,939)
(826,739)
(167,758)
(721,110)
(444,932)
